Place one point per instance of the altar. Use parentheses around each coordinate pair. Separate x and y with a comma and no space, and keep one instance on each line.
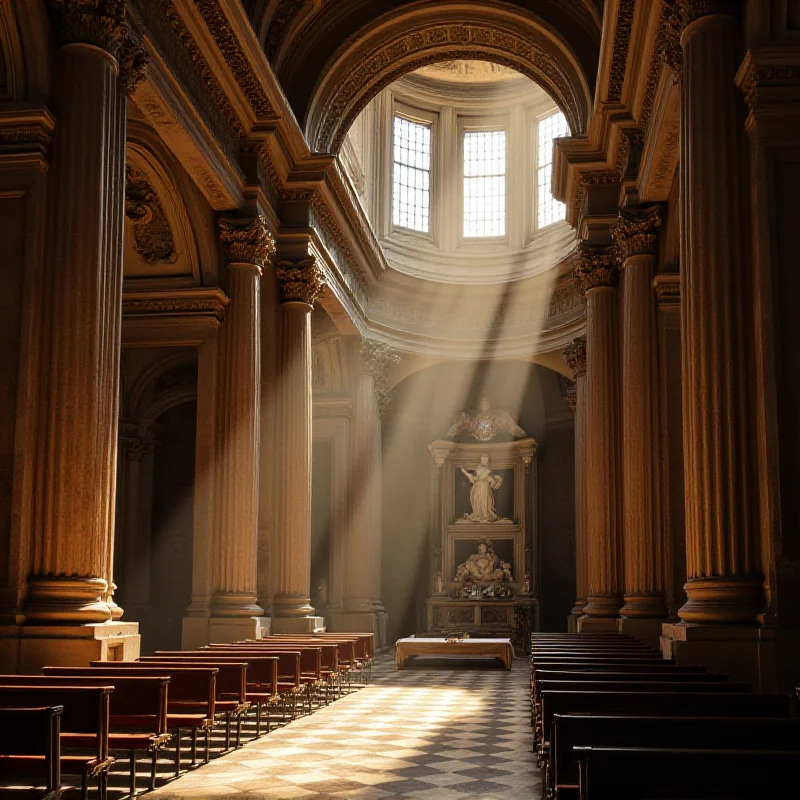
(500,649)
(483,573)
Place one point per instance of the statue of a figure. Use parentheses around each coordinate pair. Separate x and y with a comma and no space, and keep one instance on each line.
(484,423)
(481,495)
(484,565)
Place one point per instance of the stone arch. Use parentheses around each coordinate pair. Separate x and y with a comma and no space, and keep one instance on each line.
(409,38)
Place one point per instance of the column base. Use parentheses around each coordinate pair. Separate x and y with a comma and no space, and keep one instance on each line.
(233,604)
(723,601)
(308,624)
(597,624)
(768,658)
(57,600)
(647,631)
(572,623)
(603,606)
(26,649)
(223,630)
(644,606)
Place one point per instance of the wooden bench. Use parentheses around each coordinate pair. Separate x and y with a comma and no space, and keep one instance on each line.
(631,773)
(30,748)
(573,730)
(355,652)
(137,714)
(85,711)
(191,704)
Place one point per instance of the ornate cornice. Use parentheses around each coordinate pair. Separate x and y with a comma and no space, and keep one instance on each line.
(619,51)
(300,281)
(596,177)
(595,268)
(759,78)
(152,235)
(247,241)
(133,62)
(432,44)
(636,232)
(234,56)
(202,303)
(96,22)
(575,356)
(667,287)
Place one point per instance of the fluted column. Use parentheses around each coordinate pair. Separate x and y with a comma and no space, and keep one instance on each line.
(598,276)
(575,357)
(723,559)
(301,283)
(248,245)
(635,235)
(73,542)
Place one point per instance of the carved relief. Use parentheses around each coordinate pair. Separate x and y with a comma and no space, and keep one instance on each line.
(96,22)
(595,268)
(619,52)
(133,61)
(279,25)
(575,356)
(247,241)
(636,232)
(377,359)
(300,281)
(152,234)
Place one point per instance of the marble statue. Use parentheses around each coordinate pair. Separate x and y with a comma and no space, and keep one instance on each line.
(481,495)
(484,423)
(484,566)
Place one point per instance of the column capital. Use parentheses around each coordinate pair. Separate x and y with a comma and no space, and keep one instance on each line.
(575,356)
(636,232)
(595,267)
(300,281)
(247,241)
(569,393)
(376,359)
(135,449)
(96,22)
(133,62)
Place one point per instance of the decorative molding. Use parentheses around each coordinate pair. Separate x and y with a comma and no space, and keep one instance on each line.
(279,25)
(596,268)
(376,359)
(759,78)
(575,356)
(619,53)
(152,234)
(668,39)
(564,299)
(668,289)
(187,303)
(596,177)
(96,22)
(391,59)
(636,232)
(247,241)
(300,281)
(234,56)
(133,62)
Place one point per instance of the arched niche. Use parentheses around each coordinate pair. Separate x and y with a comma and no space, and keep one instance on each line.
(160,248)
(25,52)
(420,34)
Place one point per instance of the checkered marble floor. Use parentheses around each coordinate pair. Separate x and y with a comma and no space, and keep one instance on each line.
(426,732)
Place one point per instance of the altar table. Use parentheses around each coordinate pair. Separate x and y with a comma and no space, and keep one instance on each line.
(500,649)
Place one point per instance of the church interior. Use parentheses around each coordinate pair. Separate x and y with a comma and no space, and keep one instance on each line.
(396,399)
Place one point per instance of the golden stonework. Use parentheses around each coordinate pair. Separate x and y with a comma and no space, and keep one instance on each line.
(636,233)
(300,281)
(97,22)
(247,241)
(575,356)
(595,268)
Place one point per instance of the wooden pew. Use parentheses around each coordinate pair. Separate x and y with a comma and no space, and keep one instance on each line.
(630,773)
(85,711)
(137,714)
(30,747)
(191,704)
(355,650)
(571,731)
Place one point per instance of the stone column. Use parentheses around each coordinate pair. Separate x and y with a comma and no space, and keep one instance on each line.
(723,558)
(235,613)
(635,235)
(363,607)
(575,356)
(598,276)
(72,547)
(301,283)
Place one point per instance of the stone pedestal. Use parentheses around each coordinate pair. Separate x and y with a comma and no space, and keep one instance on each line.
(575,357)
(598,276)
(301,283)
(635,235)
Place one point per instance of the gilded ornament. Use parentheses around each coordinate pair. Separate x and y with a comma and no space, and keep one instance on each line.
(300,281)
(636,232)
(575,356)
(152,235)
(595,268)
(133,61)
(96,22)
(247,241)
(485,423)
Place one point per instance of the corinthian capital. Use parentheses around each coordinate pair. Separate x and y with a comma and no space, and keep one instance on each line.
(595,268)
(97,22)
(133,61)
(247,241)
(575,356)
(300,281)
(377,359)
(636,232)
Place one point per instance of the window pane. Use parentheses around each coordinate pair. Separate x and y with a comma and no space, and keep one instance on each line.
(549,210)
(411,176)
(484,183)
